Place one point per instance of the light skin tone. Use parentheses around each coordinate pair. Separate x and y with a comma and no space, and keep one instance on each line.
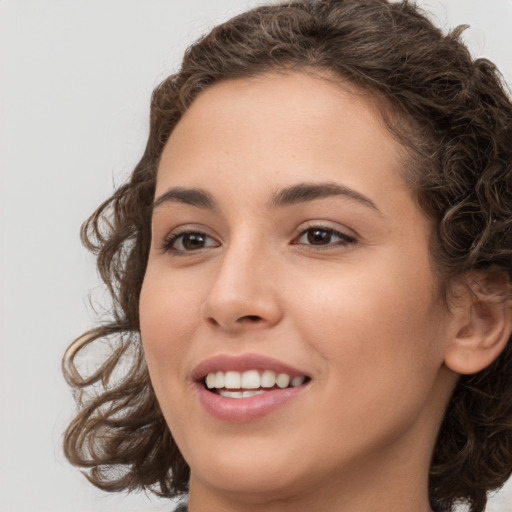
(282,227)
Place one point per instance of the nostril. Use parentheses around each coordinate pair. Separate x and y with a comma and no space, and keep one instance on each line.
(246,319)
(250,318)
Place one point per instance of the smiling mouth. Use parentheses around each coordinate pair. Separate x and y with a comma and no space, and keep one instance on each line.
(233,384)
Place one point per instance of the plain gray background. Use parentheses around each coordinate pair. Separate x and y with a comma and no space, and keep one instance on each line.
(76,76)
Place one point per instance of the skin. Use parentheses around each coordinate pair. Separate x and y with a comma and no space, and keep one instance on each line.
(360,314)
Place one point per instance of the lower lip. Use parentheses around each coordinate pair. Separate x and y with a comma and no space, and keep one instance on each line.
(249,408)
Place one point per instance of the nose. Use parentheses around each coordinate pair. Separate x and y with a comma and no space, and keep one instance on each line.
(244,293)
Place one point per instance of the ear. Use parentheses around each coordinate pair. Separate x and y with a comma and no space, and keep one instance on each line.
(482,316)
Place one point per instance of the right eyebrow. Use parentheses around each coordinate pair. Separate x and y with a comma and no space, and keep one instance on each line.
(192,196)
(303,192)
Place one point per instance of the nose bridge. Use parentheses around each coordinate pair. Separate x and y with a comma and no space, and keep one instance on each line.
(244,291)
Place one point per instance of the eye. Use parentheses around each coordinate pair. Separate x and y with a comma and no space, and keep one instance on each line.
(188,241)
(322,236)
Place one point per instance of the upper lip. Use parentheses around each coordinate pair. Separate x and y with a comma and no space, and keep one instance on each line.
(241,363)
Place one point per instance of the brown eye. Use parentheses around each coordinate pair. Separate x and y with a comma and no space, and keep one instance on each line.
(189,241)
(318,236)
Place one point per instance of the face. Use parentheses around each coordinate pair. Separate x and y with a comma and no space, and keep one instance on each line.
(289,312)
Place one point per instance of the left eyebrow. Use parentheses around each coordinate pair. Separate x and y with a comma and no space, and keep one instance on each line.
(303,192)
(192,196)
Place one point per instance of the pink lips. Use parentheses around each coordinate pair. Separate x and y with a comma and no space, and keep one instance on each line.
(249,408)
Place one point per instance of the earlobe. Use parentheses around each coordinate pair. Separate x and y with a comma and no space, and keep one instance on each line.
(483,323)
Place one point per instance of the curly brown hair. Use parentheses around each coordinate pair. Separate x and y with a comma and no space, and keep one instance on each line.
(456,126)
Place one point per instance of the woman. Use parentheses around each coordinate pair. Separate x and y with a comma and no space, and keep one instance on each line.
(310,268)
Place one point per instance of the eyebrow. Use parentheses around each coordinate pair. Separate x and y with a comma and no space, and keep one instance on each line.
(192,196)
(310,191)
(300,193)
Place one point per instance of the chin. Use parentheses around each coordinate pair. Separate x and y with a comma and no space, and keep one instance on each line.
(256,472)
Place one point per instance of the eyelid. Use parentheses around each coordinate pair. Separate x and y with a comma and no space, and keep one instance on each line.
(346,238)
(177,233)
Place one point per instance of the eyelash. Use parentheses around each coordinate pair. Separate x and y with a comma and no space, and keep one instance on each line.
(173,238)
(345,239)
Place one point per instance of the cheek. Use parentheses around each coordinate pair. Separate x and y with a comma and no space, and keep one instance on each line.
(169,315)
(365,319)
(380,353)
(168,320)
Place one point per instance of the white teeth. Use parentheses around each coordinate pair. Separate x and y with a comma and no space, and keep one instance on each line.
(297,381)
(232,380)
(240,394)
(252,392)
(210,380)
(219,380)
(231,394)
(249,380)
(268,379)
(283,380)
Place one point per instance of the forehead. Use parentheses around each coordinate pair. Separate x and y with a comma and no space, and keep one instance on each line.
(278,128)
